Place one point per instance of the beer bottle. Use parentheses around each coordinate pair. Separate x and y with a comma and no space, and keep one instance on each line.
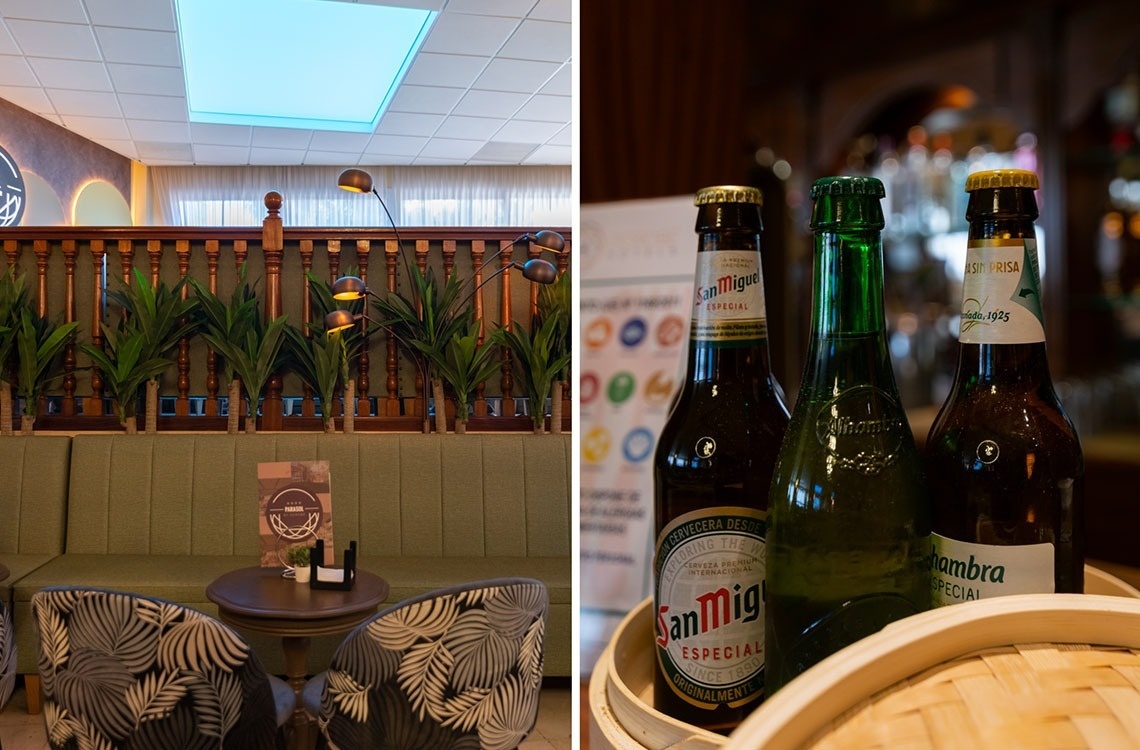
(1003,459)
(712,467)
(849,516)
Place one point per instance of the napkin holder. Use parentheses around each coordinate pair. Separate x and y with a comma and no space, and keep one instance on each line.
(337,579)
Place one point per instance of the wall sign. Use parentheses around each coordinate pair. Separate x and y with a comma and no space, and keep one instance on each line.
(12,193)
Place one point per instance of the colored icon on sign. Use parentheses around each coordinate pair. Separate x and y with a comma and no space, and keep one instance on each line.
(621,387)
(589,386)
(633,332)
(598,333)
(659,388)
(670,331)
(638,445)
(596,445)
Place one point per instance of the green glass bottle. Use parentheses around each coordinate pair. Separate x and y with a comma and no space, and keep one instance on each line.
(1004,461)
(848,511)
(712,469)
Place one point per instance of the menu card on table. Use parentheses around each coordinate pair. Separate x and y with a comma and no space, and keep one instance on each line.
(295,508)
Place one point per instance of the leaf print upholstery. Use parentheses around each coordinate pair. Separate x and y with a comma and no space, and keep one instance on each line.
(125,671)
(455,669)
(7,656)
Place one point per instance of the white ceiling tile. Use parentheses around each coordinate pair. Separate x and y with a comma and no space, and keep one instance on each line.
(138,14)
(332,158)
(147,107)
(490,104)
(14,71)
(67,11)
(147,79)
(546,108)
(539,40)
(564,137)
(421,161)
(98,128)
(461,34)
(56,119)
(87,103)
(442,148)
(220,154)
(553,10)
(561,83)
(516,8)
(394,145)
(139,47)
(7,43)
(523,76)
(221,135)
(324,140)
(469,128)
(66,40)
(81,75)
(31,98)
(504,153)
(434,100)
(402,123)
(124,148)
(549,154)
(275,156)
(160,132)
(282,138)
(164,150)
(445,69)
(526,131)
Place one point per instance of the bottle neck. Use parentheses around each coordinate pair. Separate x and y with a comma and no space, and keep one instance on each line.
(847,284)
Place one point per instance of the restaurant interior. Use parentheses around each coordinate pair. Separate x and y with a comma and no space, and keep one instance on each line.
(918,94)
(286,418)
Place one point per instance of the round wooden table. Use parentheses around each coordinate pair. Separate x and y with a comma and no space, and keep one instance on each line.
(259,600)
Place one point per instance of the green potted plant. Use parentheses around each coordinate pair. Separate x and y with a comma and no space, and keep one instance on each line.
(539,363)
(249,347)
(556,301)
(137,350)
(299,556)
(319,359)
(464,363)
(13,298)
(38,342)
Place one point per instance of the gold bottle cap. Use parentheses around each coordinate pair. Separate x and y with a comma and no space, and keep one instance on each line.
(1001,178)
(729,194)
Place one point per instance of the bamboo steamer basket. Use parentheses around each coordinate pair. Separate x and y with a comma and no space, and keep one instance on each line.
(620,691)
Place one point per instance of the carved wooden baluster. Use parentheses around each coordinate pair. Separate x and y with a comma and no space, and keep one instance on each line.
(392,361)
(448,257)
(533,251)
(67,407)
(182,404)
(93,405)
(40,248)
(272,244)
(478,248)
(241,251)
(12,250)
(507,381)
(423,390)
(154,250)
(211,410)
(334,260)
(363,405)
(126,259)
(563,264)
(306,249)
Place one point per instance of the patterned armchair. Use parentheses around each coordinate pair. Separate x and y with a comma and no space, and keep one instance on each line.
(7,656)
(121,670)
(455,669)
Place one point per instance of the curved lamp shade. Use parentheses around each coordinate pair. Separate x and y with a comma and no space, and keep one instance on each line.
(355,181)
(339,320)
(540,271)
(548,240)
(349,288)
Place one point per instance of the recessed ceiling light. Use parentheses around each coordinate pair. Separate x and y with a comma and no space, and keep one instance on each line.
(313,64)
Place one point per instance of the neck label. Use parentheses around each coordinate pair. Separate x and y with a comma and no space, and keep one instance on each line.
(728,301)
(1001,293)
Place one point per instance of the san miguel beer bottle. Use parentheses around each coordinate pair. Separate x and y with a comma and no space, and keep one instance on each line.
(712,468)
(848,513)
(1003,459)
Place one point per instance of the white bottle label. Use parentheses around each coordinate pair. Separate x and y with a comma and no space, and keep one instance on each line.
(964,571)
(709,605)
(728,301)
(1001,293)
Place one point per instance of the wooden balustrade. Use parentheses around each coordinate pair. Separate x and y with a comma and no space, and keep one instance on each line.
(70,269)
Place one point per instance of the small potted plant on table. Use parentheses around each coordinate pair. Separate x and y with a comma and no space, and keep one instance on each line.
(298,557)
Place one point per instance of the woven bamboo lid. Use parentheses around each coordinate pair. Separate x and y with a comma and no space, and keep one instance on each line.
(1030,671)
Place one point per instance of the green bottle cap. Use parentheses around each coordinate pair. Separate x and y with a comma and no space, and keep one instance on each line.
(851,202)
(728,194)
(1001,178)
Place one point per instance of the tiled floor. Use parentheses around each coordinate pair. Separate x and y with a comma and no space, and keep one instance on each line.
(19,731)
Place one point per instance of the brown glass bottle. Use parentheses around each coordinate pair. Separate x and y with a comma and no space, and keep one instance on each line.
(713,465)
(1003,459)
